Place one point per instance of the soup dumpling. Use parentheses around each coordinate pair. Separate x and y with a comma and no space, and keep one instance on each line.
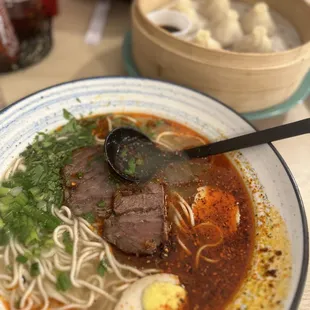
(259,15)
(215,10)
(256,42)
(228,30)
(187,8)
(204,39)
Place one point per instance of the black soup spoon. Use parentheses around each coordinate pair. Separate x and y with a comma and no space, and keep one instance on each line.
(135,158)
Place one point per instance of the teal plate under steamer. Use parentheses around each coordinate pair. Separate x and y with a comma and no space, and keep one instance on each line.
(301,94)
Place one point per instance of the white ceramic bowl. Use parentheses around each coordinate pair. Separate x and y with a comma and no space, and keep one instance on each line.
(42,111)
(173,19)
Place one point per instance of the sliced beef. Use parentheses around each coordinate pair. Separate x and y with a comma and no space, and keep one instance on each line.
(135,198)
(138,223)
(135,216)
(89,187)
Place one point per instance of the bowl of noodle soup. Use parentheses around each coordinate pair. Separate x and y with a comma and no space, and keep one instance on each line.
(212,233)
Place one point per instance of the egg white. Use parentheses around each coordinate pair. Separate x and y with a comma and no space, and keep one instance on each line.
(2,306)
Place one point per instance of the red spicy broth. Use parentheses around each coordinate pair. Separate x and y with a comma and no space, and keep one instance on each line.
(228,234)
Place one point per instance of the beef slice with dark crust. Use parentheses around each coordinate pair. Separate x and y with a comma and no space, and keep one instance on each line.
(138,224)
(88,184)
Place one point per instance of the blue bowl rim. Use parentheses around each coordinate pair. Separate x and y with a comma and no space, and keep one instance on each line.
(305,260)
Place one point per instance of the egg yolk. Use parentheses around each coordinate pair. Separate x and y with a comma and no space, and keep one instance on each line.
(218,207)
(163,296)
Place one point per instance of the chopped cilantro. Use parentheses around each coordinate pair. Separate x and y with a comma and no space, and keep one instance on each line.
(101,204)
(68,243)
(147,131)
(36,174)
(102,268)
(159,122)
(80,175)
(63,282)
(124,153)
(1,221)
(131,167)
(4,237)
(89,217)
(67,115)
(26,213)
(34,270)
(21,259)
(9,268)
(113,180)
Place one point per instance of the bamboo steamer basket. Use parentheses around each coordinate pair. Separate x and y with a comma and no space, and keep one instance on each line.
(247,82)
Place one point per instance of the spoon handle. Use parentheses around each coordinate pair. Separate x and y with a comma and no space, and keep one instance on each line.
(252,139)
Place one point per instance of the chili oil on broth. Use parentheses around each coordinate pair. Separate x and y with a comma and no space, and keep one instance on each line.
(214,283)
(211,278)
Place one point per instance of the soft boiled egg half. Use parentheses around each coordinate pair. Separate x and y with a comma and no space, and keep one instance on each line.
(4,305)
(156,292)
(216,206)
